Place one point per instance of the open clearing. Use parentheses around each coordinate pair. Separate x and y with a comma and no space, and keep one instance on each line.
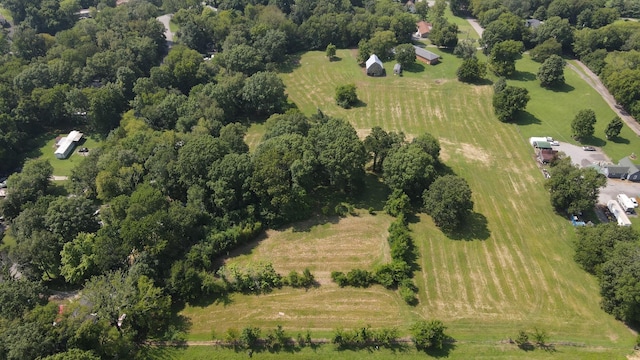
(510,269)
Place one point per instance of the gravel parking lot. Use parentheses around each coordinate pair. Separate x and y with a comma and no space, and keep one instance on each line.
(585,158)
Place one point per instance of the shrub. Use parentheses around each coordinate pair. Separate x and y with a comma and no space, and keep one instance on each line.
(346,96)
(359,278)
(427,335)
(339,278)
(250,337)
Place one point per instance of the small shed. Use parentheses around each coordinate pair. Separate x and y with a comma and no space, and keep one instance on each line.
(67,144)
(397,69)
(426,55)
(374,66)
(542,145)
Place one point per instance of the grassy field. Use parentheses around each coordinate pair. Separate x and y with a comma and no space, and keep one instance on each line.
(63,167)
(511,268)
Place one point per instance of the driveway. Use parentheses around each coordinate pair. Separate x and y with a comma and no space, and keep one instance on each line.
(165,20)
(585,158)
(475,25)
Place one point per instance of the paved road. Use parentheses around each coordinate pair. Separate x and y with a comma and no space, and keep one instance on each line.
(165,20)
(475,25)
(592,79)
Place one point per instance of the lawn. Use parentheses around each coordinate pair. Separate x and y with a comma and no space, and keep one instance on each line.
(511,268)
(63,167)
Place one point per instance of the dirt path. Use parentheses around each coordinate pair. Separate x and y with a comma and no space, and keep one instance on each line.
(592,79)
(475,25)
(165,20)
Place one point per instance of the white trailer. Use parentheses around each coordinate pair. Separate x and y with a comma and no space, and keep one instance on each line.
(617,211)
(534,139)
(626,203)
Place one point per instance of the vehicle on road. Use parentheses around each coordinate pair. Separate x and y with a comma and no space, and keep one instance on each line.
(555,143)
(588,148)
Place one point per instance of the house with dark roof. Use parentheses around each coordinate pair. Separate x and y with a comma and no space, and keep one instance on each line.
(374,66)
(426,55)
(625,169)
(545,156)
(424,28)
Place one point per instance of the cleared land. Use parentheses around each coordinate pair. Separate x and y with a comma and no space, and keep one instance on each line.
(63,167)
(511,269)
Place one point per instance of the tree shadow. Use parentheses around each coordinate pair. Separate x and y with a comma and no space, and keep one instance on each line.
(593,141)
(563,88)
(447,347)
(526,118)
(523,76)
(483,81)
(359,104)
(291,63)
(416,67)
(475,228)
(376,195)
(335,59)
(619,140)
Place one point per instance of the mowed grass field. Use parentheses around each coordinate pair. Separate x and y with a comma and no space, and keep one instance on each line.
(511,269)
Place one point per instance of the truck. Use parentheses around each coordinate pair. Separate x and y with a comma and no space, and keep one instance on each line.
(625,203)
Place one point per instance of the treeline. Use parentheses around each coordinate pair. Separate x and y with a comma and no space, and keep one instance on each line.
(611,253)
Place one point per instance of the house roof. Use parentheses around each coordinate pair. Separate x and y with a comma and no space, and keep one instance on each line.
(373,59)
(542,145)
(425,54)
(625,161)
(533,23)
(617,169)
(423,27)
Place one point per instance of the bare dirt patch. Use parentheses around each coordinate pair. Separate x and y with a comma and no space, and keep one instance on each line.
(469,151)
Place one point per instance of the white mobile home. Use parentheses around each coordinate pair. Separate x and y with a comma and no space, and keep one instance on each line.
(67,144)
(625,203)
(620,215)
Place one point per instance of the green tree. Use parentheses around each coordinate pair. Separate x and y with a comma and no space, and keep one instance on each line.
(428,143)
(330,51)
(264,93)
(378,143)
(619,282)
(405,55)
(573,189)
(448,201)
(471,70)
(555,28)
(242,58)
(106,105)
(409,168)
(26,186)
(583,124)
(543,51)
(66,217)
(381,44)
(594,244)
(465,49)
(503,57)
(428,334)
(19,296)
(551,73)
(613,128)
(444,33)
(346,96)
(509,101)
(78,259)
(422,9)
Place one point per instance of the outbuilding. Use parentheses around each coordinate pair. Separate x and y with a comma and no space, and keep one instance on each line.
(374,66)
(424,28)
(397,69)
(426,55)
(67,144)
(633,172)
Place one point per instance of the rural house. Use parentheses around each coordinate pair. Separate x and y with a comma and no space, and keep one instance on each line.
(374,66)
(624,170)
(426,55)
(424,28)
(67,144)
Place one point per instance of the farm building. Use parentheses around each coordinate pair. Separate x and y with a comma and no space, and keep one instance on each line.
(545,156)
(424,28)
(542,145)
(397,69)
(624,170)
(426,55)
(67,144)
(374,66)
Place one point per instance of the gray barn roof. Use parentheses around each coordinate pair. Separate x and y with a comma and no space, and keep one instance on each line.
(426,54)
(625,161)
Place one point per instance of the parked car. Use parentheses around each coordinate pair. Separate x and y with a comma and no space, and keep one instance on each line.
(634,201)
(83,150)
(588,148)
(555,143)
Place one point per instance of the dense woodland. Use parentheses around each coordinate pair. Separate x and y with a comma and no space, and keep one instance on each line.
(173,187)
